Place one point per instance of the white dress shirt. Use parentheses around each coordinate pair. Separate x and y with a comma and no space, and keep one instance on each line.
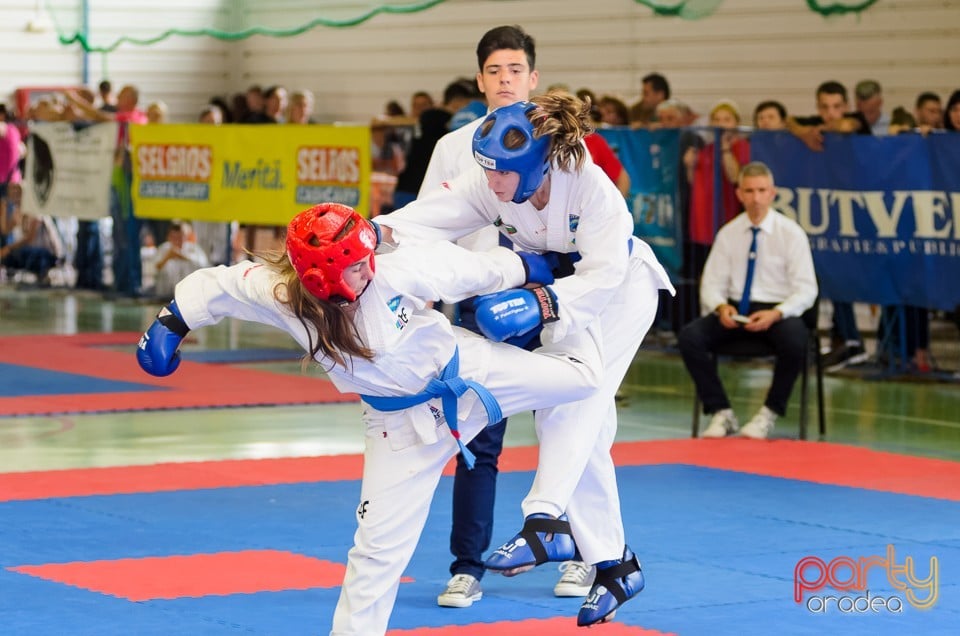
(783,275)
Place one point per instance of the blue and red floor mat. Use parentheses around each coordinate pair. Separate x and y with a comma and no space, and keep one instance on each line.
(258,547)
(97,372)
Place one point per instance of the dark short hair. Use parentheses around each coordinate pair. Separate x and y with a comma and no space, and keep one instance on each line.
(927,96)
(513,38)
(104,86)
(461,88)
(832,87)
(770,103)
(658,82)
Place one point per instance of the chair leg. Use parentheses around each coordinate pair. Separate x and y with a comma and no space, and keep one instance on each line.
(804,391)
(696,417)
(821,411)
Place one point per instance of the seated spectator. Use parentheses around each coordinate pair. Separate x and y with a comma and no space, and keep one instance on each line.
(176,258)
(758,281)
(770,115)
(35,244)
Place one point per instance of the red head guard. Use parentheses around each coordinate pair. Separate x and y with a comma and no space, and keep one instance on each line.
(323,241)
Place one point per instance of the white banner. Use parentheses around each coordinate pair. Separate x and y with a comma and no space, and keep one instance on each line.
(69,171)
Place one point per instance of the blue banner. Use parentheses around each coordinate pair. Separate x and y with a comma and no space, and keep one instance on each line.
(882,213)
(651,158)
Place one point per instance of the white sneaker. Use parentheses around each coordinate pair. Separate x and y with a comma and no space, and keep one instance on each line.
(760,425)
(576,579)
(462,590)
(722,424)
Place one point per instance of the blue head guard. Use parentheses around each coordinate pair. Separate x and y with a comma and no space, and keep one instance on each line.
(529,160)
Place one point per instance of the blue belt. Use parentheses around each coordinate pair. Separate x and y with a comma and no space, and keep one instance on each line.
(448,387)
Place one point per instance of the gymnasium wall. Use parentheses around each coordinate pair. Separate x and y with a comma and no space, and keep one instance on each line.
(748,50)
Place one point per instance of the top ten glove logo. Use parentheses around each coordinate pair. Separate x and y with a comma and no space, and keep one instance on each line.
(846,574)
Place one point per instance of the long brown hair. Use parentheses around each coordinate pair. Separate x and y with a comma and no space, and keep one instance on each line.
(566,118)
(336,334)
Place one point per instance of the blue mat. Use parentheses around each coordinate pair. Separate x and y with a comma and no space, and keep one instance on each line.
(21,381)
(718,548)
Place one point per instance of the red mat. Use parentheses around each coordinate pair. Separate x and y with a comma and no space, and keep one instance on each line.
(817,462)
(194,385)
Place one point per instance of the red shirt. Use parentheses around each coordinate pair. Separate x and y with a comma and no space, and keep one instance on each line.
(603,155)
(704,224)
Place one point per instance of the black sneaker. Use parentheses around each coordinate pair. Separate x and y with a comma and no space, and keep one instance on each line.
(844,356)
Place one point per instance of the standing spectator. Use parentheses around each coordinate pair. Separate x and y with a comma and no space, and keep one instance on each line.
(300,110)
(951,114)
(869,102)
(254,106)
(126,226)
(274,104)
(758,281)
(833,116)
(471,105)
(613,112)
(226,115)
(108,101)
(655,89)
(157,112)
(705,217)
(928,112)
(419,102)
(432,125)
(600,151)
(211,114)
(770,115)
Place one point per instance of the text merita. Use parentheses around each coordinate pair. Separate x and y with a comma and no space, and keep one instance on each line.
(262,176)
(853,214)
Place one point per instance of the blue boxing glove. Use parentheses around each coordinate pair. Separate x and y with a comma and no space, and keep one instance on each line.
(538,268)
(515,312)
(158,351)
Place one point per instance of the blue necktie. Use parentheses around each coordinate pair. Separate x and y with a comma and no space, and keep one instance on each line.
(751,263)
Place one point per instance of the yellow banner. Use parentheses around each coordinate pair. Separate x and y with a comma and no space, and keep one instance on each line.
(254,174)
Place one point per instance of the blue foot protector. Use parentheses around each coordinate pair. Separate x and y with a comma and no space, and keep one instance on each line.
(542,539)
(617,582)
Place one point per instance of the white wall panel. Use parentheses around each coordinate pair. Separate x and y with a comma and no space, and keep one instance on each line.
(748,50)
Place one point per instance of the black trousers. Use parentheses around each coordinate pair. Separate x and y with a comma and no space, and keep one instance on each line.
(700,338)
